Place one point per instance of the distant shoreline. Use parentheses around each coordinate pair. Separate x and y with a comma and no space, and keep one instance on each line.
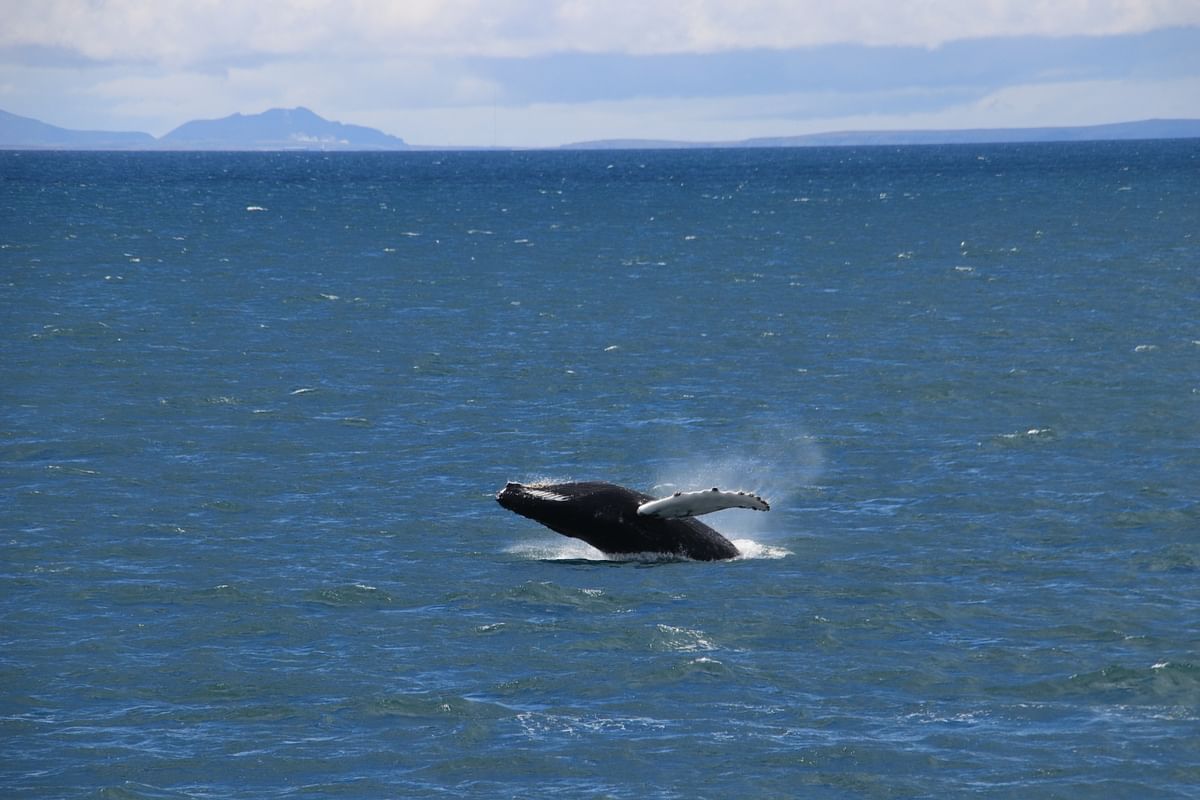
(582,147)
(300,130)
(1152,129)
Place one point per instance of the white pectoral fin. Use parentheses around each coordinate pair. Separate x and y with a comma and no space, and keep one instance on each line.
(693,504)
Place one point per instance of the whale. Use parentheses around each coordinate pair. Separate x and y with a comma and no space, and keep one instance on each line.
(620,521)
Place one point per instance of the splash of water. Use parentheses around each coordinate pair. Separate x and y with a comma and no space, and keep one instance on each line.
(777,469)
(576,550)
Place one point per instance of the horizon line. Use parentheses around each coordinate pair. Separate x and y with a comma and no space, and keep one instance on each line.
(1190,128)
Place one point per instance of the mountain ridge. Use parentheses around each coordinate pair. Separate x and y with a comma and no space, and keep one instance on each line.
(278,129)
(22,129)
(274,129)
(299,128)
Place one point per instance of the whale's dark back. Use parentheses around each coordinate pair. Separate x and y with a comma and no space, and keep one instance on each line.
(605,516)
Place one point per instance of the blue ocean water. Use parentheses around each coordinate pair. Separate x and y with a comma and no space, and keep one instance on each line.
(256,408)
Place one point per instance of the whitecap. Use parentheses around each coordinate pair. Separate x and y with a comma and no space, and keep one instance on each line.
(539,725)
(1032,433)
(684,640)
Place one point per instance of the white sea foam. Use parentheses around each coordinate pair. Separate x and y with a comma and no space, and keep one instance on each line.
(557,550)
(684,640)
(1032,433)
(751,549)
(568,549)
(540,725)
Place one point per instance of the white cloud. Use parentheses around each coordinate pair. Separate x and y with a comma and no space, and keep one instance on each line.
(736,118)
(1081,103)
(190,32)
(411,68)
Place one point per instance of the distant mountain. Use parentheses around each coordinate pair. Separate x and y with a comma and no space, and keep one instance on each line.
(18,132)
(1145,129)
(301,129)
(277,129)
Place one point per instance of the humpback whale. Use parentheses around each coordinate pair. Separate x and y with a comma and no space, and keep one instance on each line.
(617,520)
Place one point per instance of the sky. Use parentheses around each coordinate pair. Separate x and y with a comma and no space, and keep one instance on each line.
(539,73)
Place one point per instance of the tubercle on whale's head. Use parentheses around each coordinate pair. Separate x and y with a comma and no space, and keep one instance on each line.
(510,494)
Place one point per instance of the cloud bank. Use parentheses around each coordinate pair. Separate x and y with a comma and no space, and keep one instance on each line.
(199,32)
(539,72)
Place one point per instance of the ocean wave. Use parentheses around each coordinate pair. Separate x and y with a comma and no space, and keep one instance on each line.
(1163,684)
(355,594)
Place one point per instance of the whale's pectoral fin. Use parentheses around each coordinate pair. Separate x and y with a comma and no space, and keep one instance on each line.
(693,504)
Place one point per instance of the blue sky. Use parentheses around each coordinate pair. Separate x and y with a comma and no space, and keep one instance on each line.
(547,72)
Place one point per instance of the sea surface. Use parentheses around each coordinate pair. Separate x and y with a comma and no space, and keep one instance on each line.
(256,407)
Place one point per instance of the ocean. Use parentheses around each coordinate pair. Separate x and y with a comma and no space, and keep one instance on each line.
(257,406)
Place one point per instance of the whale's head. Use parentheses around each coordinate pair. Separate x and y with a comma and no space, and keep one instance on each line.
(579,510)
(512,495)
(567,507)
(531,500)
